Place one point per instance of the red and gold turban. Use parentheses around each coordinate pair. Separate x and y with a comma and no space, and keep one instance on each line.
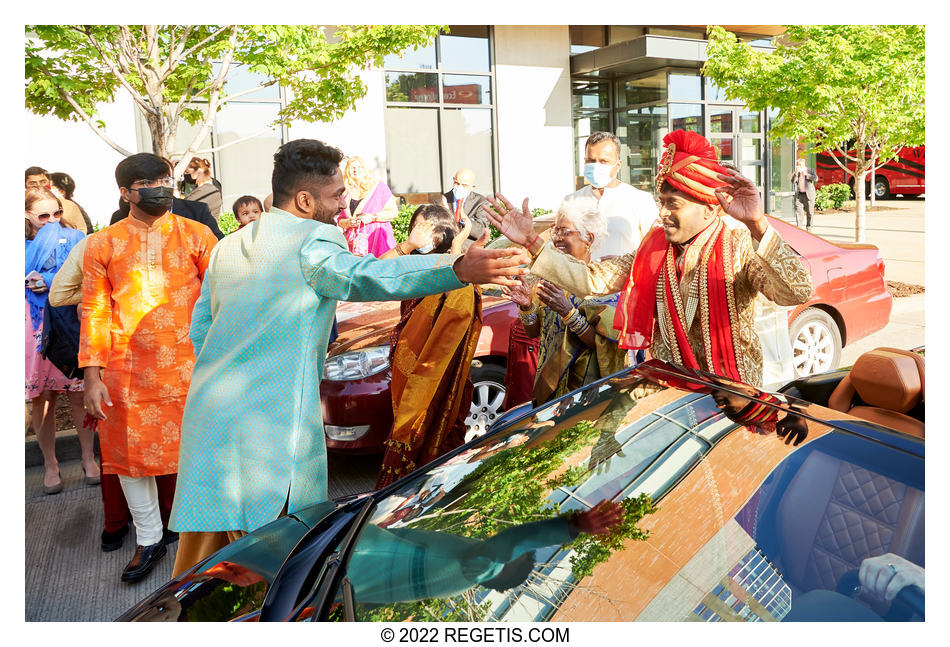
(690,165)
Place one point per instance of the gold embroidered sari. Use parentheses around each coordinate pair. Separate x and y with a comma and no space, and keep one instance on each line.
(432,350)
(565,362)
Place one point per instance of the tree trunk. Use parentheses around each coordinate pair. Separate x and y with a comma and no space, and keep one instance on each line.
(859,211)
(873,171)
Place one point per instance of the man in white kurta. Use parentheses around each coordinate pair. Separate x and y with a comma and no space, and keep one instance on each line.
(252,440)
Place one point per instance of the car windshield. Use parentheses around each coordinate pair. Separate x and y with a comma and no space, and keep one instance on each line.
(711,500)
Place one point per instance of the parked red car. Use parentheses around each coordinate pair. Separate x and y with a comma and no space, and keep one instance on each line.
(850,302)
(357,405)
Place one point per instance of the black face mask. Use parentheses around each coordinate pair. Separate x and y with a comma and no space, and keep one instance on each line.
(155,201)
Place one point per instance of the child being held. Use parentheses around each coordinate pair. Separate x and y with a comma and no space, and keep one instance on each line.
(247,209)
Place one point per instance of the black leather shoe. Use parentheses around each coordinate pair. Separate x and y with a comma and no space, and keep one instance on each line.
(143,561)
(113,540)
(169,536)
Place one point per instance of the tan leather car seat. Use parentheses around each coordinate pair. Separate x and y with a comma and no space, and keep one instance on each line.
(889,382)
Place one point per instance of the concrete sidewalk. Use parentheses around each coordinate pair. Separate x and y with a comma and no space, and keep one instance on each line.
(68,577)
(898,233)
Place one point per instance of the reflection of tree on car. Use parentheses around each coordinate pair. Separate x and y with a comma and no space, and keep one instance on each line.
(408,564)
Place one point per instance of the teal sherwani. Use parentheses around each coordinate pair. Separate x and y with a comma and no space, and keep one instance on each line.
(252,433)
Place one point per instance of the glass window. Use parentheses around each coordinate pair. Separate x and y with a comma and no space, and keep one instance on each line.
(238,176)
(414,87)
(412,149)
(590,95)
(422,58)
(240,79)
(685,87)
(467,143)
(754,173)
(643,130)
(749,121)
(723,146)
(714,92)
(720,120)
(687,116)
(464,53)
(646,90)
(751,149)
(466,89)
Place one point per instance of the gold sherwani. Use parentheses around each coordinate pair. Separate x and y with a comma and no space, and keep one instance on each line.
(768,266)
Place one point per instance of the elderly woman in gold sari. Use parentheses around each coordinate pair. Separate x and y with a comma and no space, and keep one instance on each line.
(431,352)
(578,343)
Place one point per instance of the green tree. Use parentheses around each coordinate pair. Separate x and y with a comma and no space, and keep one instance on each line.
(854,89)
(178,73)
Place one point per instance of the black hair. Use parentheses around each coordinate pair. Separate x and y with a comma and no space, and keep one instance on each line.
(141,166)
(243,200)
(602,136)
(445,227)
(35,170)
(65,183)
(302,164)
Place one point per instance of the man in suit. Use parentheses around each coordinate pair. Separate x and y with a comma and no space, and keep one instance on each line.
(804,180)
(465,203)
(252,438)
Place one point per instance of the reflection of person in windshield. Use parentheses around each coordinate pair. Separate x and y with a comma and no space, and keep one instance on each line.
(406,564)
(760,417)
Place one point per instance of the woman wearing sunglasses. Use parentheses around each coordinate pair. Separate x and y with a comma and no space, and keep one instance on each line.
(45,254)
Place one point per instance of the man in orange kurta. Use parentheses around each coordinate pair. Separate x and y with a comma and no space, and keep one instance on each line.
(142,277)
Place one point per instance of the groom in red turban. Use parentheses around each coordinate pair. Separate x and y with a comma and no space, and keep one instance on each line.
(688,292)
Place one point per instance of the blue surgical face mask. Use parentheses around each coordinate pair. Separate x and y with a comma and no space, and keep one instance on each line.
(598,174)
(459,192)
(426,249)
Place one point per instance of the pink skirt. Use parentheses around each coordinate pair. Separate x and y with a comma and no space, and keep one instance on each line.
(41,375)
(374,238)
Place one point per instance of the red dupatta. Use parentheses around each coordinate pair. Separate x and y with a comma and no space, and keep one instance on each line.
(637,308)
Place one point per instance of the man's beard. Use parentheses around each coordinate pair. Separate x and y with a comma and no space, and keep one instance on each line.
(324,217)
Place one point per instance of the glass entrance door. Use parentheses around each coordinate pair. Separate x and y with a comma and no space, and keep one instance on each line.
(736,134)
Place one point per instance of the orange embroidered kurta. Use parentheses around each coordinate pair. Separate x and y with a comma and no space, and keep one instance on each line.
(140,285)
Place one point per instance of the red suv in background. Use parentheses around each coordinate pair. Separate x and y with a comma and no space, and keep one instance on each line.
(357,405)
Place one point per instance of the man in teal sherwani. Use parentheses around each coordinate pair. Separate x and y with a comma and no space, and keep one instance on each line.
(252,441)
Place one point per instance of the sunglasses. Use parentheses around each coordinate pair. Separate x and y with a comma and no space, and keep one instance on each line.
(46,216)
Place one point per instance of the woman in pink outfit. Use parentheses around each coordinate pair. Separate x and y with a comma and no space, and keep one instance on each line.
(46,251)
(370,207)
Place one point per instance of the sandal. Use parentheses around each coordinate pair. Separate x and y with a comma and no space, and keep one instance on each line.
(56,488)
(90,480)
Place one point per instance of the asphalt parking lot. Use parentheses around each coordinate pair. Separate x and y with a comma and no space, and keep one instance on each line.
(68,577)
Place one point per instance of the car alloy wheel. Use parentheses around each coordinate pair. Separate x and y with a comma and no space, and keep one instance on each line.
(487,398)
(816,342)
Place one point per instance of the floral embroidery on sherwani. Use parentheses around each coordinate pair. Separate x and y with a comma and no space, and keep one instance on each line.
(141,283)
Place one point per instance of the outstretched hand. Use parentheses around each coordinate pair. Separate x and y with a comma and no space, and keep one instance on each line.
(599,519)
(515,225)
(521,294)
(740,199)
(498,266)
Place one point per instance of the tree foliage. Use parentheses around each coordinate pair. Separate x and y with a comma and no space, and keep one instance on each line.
(854,89)
(178,73)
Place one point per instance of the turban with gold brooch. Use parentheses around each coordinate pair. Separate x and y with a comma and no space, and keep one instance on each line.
(690,164)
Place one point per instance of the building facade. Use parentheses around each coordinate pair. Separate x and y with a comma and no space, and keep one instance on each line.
(513,103)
